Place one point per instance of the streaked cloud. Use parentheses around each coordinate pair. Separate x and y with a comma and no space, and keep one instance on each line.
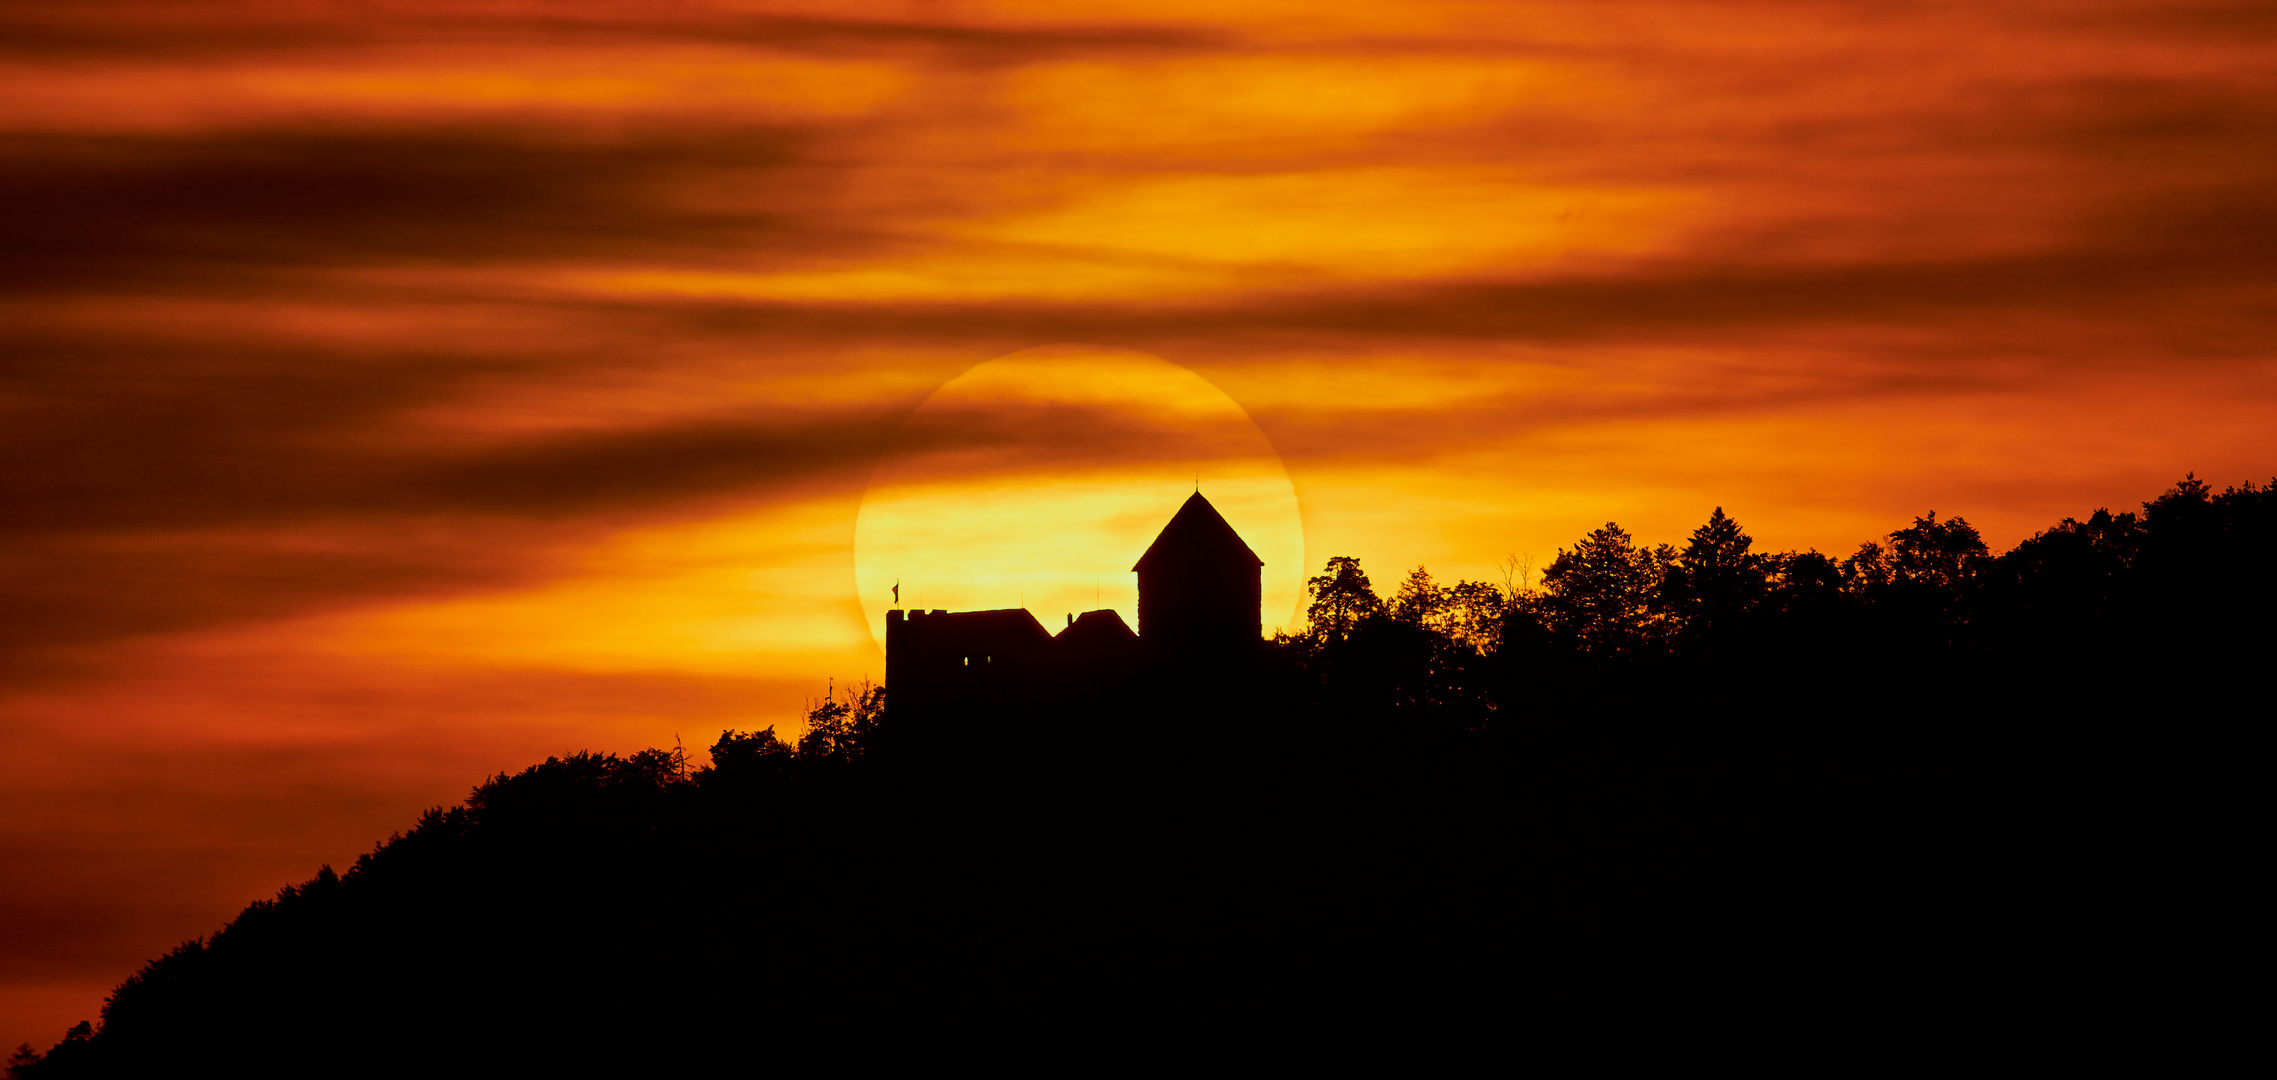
(392,392)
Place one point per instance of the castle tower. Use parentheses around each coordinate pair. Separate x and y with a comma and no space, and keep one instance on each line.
(1199,586)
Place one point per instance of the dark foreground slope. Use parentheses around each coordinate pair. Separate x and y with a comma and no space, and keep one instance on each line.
(1124,898)
(1931,792)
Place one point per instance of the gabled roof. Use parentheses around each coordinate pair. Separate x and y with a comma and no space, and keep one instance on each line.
(998,627)
(1105,626)
(1096,637)
(1197,532)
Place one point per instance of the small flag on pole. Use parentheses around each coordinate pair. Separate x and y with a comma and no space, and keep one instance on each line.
(897,592)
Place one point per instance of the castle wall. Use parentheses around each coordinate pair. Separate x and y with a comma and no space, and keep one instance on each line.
(940,661)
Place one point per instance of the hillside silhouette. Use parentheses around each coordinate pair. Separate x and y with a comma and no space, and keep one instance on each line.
(1440,808)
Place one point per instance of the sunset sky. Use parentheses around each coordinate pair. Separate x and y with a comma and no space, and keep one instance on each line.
(400,392)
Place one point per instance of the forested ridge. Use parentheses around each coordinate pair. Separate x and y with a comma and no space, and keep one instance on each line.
(1916,762)
(1725,642)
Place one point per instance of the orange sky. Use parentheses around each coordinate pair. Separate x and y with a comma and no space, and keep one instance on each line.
(400,392)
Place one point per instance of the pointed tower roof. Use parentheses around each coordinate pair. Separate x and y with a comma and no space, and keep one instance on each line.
(1197,531)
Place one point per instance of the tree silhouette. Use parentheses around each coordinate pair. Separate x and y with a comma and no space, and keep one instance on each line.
(751,758)
(1341,597)
(1866,569)
(840,731)
(1419,600)
(1942,554)
(1466,615)
(1604,591)
(1715,581)
(1471,613)
(1806,584)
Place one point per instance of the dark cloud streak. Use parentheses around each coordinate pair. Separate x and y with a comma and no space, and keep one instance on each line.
(81,31)
(204,531)
(104,212)
(178,466)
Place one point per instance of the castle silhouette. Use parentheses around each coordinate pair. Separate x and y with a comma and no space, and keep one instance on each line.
(1199,588)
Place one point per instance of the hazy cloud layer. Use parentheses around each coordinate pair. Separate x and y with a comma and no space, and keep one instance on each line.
(308,310)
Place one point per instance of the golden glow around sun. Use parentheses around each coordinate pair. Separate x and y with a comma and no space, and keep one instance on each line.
(1035,480)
